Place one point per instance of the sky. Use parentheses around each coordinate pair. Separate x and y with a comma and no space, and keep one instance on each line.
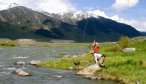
(131,12)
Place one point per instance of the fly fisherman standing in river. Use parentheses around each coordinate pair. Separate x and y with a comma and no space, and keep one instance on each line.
(99,58)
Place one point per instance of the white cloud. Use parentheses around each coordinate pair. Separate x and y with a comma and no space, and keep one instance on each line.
(56,6)
(53,6)
(4,4)
(139,25)
(124,4)
(100,13)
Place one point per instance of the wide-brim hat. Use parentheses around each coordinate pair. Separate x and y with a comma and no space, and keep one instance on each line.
(96,43)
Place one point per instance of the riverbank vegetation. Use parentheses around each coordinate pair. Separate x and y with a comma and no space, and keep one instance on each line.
(124,67)
(7,43)
(58,43)
(40,43)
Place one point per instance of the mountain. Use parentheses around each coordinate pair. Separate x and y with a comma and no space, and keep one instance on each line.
(143,33)
(21,22)
(102,27)
(27,23)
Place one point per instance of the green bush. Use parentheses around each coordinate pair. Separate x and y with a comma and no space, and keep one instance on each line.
(123,42)
(8,43)
(116,48)
(113,48)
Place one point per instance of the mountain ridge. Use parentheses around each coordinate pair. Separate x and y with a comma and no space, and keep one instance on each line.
(28,22)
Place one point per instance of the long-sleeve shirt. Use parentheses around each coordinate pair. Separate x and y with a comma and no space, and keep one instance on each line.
(96,49)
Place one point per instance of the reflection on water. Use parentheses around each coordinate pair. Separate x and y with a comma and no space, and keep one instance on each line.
(8,56)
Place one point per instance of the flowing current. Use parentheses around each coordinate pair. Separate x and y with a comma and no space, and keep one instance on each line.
(8,56)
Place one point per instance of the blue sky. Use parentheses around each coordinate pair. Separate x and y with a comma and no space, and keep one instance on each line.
(136,12)
(132,12)
(81,4)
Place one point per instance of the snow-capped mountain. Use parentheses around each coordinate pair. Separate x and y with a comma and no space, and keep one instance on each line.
(72,17)
(22,22)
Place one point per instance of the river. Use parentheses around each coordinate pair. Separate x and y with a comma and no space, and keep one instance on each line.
(8,56)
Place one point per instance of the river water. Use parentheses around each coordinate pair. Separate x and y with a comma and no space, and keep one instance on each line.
(8,56)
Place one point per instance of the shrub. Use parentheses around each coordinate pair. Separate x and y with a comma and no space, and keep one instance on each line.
(123,42)
(116,48)
(113,47)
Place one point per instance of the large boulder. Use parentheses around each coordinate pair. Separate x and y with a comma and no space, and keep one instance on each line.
(89,71)
(74,56)
(20,72)
(129,50)
(35,62)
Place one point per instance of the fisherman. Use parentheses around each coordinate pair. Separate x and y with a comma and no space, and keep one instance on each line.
(99,58)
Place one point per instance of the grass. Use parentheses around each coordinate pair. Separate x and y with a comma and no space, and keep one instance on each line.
(65,62)
(124,67)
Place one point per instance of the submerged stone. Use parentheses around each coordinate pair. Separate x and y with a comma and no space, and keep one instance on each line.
(20,72)
(20,63)
(54,76)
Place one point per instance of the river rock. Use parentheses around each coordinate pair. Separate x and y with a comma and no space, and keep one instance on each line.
(70,68)
(54,77)
(88,76)
(88,71)
(20,72)
(94,77)
(35,62)
(58,76)
(129,49)
(74,56)
(67,56)
(99,78)
(84,54)
(20,63)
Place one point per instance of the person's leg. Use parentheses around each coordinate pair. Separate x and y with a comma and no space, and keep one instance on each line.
(98,61)
(101,60)
(95,57)
(103,56)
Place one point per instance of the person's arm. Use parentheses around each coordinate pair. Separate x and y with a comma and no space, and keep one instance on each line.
(94,43)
